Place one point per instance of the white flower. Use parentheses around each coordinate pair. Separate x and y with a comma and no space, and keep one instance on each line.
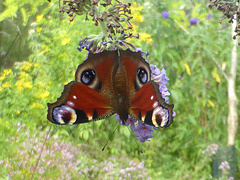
(31,31)
(33,24)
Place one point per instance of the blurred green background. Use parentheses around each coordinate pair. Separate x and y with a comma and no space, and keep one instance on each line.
(38,56)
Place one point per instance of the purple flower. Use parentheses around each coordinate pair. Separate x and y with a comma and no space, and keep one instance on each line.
(155,71)
(117,117)
(163,89)
(224,166)
(140,165)
(186,176)
(193,21)
(161,78)
(174,114)
(209,16)
(165,15)
(138,49)
(130,121)
(143,132)
(211,149)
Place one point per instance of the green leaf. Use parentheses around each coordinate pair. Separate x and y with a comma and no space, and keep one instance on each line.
(9,12)
(85,135)
(24,17)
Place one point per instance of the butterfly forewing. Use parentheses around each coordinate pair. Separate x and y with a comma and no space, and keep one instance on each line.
(79,104)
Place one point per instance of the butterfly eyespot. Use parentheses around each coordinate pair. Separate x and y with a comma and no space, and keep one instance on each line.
(142,75)
(88,76)
(64,115)
(160,117)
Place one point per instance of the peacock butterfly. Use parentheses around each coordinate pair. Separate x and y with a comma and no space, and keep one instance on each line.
(112,82)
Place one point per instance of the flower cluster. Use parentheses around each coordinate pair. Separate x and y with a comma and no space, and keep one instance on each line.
(125,173)
(224,166)
(143,131)
(210,150)
(113,17)
(160,77)
(230,11)
(67,160)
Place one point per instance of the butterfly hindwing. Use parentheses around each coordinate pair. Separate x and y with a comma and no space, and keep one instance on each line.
(79,104)
(148,106)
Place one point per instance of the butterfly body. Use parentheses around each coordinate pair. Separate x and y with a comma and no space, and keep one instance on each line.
(112,82)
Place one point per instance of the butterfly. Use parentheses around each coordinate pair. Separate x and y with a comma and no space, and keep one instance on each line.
(112,82)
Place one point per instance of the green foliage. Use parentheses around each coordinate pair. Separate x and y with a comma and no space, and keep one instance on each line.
(15,20)
(198,91)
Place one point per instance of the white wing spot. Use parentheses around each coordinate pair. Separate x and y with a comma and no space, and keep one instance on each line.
(155,104)
(70,103)
(152,97)
(74,97)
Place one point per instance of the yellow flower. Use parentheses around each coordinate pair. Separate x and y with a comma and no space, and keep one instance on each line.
(135,7)
(26,66)
(41,84)
(17,112)
(134,28)
(6,122)
(146,37)
(39,18)
(0,119)
(5,73)
(37,105)
(28,85)
(19,85)
(65,41)
(43,51)
(24,76)
(187,69)
(6,85)
(138,17)
(216,75)
(211,103)
(44,94)
(39,29)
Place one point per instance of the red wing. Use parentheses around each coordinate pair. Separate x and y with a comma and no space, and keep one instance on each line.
(148,106)
(79,104)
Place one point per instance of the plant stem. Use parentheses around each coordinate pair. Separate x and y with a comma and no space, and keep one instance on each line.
(232,98)
(45,140)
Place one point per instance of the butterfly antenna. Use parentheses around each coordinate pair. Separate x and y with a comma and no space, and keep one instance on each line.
(134,137)
(110,137)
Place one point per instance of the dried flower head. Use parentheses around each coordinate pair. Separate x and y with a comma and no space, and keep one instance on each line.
(230,10)
(113,18)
